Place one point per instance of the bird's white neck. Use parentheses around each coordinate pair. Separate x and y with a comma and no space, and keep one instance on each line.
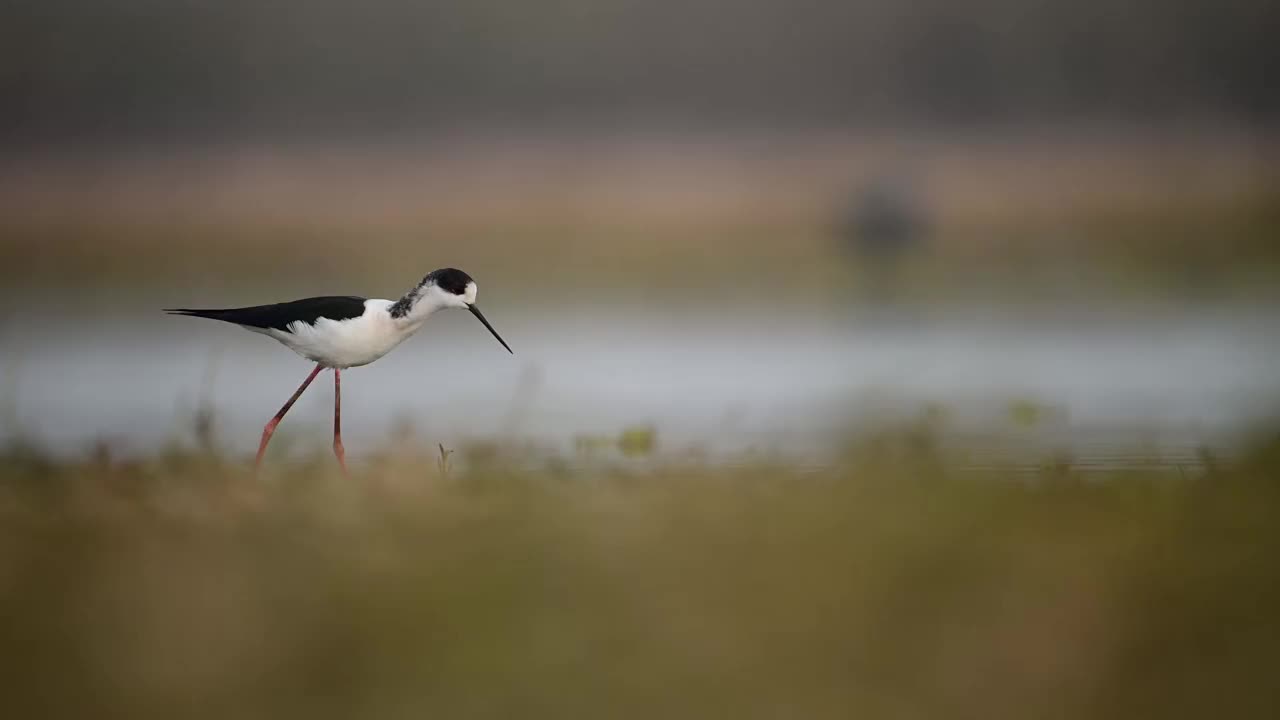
(415,306)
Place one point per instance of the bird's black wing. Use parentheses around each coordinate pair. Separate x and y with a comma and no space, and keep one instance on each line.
(280,315)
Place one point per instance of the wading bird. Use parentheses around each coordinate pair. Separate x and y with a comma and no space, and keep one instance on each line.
(344,331)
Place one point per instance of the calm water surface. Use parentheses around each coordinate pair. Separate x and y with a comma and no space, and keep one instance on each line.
(780,379)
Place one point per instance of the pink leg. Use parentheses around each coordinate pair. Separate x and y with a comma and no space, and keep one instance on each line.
(337,421)
(273,422)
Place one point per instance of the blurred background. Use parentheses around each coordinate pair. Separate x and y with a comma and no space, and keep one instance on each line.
(737,239)
(743,222)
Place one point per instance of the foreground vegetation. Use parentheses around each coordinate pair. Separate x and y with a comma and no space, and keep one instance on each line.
(892,584)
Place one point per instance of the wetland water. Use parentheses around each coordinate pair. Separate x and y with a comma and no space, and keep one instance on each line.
(786,380)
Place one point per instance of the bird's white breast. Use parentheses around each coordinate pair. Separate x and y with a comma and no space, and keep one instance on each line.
(347,343)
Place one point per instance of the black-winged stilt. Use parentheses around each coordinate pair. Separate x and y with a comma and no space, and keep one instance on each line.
(344,331)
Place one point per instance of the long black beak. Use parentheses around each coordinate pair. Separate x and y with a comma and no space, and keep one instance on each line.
(480,316)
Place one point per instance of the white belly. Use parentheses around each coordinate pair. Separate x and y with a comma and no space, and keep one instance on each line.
(345,343)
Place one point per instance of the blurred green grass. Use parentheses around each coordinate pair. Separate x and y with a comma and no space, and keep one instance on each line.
(890,584)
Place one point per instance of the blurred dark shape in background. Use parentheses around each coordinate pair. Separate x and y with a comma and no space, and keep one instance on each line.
(884,220)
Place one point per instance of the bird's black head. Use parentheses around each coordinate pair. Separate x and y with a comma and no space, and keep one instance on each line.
(450,280)
(454,288)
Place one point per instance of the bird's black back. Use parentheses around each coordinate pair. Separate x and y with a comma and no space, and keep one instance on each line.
(280,315)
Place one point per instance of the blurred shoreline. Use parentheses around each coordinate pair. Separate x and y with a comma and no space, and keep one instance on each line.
(621,203)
